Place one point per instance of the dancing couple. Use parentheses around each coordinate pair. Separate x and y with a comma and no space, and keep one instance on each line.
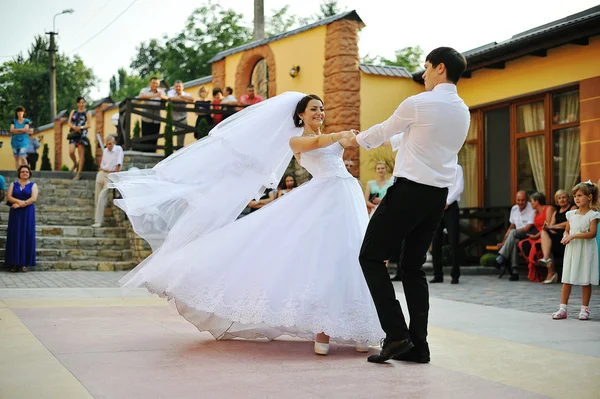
(310,264)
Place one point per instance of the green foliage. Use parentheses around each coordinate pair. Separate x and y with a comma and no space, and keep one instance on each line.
(24,81)
(169,130)
(88,164)
(209,30)
(126,86)
(488,259)
(282,21)
(410,58)
(137,129)
(46,165)
(202,130)
(64,168)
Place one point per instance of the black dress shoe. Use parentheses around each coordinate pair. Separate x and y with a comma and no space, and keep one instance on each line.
(413,355)
(436,280)
(454,281)
(514,277)
(390,349)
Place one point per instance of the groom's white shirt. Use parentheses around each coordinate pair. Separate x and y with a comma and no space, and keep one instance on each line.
(435,126)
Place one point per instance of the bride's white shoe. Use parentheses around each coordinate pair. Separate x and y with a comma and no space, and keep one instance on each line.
(362,347)
(321,349)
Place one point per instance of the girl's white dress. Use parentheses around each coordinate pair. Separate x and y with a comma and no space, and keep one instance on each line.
(581,256)
(290,268)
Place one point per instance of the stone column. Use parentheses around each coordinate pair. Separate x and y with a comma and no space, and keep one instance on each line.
(58,142)
(342,82)
(218,74)
(589,115)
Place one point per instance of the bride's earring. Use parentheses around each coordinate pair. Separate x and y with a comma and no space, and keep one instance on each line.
(301,121)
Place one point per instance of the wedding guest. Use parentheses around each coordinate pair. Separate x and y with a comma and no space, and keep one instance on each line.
(34,145)
(2,188)
(112,160)
(288,183)
(20,235)
(552,234)
(151,125)
(203,111)
(79,123)
(529,246)
(251,98)
(450,223)
(376,189)
(521,224)
(19,129)
(217,97)
(229,97)
(177,94)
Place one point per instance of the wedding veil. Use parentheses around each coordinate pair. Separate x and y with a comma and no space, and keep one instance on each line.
(206,185)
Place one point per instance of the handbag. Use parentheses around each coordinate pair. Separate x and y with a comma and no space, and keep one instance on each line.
(73,135)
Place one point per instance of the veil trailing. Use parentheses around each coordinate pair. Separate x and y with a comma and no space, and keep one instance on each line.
(206,185)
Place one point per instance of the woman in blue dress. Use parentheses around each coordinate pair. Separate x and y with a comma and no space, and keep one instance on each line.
(19,129)
(376,189)
(20,237)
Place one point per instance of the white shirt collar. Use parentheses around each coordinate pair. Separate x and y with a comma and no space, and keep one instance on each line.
(445,86)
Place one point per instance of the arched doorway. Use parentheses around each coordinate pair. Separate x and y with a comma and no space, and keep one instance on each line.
(260,78)
(257,67)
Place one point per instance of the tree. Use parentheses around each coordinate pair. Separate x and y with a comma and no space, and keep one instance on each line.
(46,165)
(137,129)
(169,130)
(410,58)
(281,21)
(25,81)
(126,85)
(209,30)
(329,8)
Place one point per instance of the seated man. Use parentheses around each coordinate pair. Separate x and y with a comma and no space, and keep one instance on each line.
(521,223)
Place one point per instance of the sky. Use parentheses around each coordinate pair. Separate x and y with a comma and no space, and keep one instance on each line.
(390,24)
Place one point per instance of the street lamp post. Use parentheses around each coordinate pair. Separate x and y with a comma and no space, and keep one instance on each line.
(52,51)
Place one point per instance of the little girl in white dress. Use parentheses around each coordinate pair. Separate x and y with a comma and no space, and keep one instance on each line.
(581,255)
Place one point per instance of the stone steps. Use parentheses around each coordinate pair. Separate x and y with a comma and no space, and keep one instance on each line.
(66,243)
(69,255)
(103,266)
(65,239)
(74,231)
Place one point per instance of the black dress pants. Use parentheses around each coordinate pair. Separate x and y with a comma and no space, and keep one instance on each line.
(410,212)
(450,223)
(150,129)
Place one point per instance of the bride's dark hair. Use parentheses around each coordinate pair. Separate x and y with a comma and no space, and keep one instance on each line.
(301,107)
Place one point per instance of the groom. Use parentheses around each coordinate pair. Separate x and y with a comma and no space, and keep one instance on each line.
(435,125)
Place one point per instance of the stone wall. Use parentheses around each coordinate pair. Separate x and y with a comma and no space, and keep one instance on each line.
(342,82)
(58,142)
(589,97)
(218,75)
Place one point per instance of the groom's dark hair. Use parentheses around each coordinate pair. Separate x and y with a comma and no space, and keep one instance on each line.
(454,61)
(301,107)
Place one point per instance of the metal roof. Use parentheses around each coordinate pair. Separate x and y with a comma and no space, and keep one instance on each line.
(351,15)
(197,82)
(385,70)
(576,28)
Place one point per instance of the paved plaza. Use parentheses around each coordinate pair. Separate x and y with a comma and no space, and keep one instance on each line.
(77,335)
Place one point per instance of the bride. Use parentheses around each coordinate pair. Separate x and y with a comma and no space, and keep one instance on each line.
(289,269)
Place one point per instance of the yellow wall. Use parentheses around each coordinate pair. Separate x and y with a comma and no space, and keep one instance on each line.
(292,51)
(379,98)
(231,64)
(563,65)
(7,161)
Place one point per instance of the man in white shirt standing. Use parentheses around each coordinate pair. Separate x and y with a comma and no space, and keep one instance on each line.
(112,160)
(449,222)
(521,224)
(435,125)
(177,94)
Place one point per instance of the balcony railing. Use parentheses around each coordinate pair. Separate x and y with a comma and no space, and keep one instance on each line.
(144,108)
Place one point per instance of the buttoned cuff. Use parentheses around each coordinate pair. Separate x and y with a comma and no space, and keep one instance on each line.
(361,141)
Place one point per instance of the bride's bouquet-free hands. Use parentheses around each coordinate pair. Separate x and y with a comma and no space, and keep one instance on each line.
(348,138)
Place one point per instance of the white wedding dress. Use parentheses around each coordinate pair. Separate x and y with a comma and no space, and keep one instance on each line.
(290,268)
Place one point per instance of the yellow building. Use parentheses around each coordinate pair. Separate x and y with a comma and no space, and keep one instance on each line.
(534,99)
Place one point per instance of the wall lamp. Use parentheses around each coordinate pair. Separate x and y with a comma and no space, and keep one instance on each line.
(295,71)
